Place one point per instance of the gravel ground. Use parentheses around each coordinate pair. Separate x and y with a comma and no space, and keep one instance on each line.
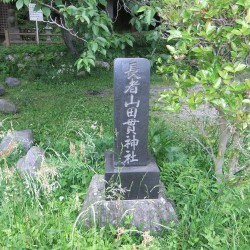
(157,108)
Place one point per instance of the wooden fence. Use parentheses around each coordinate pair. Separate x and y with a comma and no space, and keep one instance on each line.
(39,38)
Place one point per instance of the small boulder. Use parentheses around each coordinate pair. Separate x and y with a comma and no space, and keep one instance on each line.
(2,90)
(7,107)
(102,64)
(81,73)
(11,141)
(10,58)
(32,162)
(12,82)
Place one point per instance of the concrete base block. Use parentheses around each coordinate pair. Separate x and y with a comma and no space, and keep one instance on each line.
(147,214)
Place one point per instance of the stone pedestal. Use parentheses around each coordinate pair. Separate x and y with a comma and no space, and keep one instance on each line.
(14,34)
(147,214)
(130,183)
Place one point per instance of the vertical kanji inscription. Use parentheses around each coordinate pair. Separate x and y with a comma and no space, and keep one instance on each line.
(131,77)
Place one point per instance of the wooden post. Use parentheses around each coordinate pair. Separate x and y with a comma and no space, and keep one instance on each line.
(37,33)
(7,38)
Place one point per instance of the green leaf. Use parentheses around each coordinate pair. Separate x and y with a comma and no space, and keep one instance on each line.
(217,83)
(236,32)
(26,2)
(209,28)
(171,49)
(142,8)
(194,79)
(19,4)
(85,18)
(229,68)
(37,7)
(220,102)
(233,46)
(104,27)
(91,61)
(102,40)
(175,77)
(247,101)
(243,2)
(247,18)
(46,11)
(130,43)
(203,74)
(58,2)
(174,34)
(180,92)
(94,46)
(103,2)
(235,9)
(223,74)
(103,52)
(247,82)
(197,50)
(95,30)
(239,67)
(79,63)
(244,125)
(149,16)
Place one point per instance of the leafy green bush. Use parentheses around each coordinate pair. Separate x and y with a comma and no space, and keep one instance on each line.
(211,215)
(32,62)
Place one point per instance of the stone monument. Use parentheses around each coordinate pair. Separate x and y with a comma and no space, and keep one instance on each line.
(130,166)
(12,26)
(131,185)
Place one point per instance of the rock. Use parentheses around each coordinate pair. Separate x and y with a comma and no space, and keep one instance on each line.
(2,90)
(197,88)
(32,162)
(20,65)
(10,58)
(148,214)
(12,82)
(11,141)
(102,64)
(27,58)
(242,76)
(7,107)
(81,73)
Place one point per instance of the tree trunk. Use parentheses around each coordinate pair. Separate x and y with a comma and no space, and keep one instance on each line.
(225,134)
(68,39)
(233,163)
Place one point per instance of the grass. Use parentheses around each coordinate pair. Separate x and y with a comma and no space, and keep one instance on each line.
(73,121)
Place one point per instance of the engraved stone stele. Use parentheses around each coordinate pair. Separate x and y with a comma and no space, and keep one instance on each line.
(130,167)
(131,185)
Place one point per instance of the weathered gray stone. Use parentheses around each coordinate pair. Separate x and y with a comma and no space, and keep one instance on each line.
(81,73)
(102,64)
(27,58)
(147,214)
(242,76)
(20,65)
(32,162)
(11,141)
(11,58)
(2,90)
(7,107)
(12,81)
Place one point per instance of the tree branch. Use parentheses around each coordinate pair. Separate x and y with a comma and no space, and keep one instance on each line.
(62,26)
